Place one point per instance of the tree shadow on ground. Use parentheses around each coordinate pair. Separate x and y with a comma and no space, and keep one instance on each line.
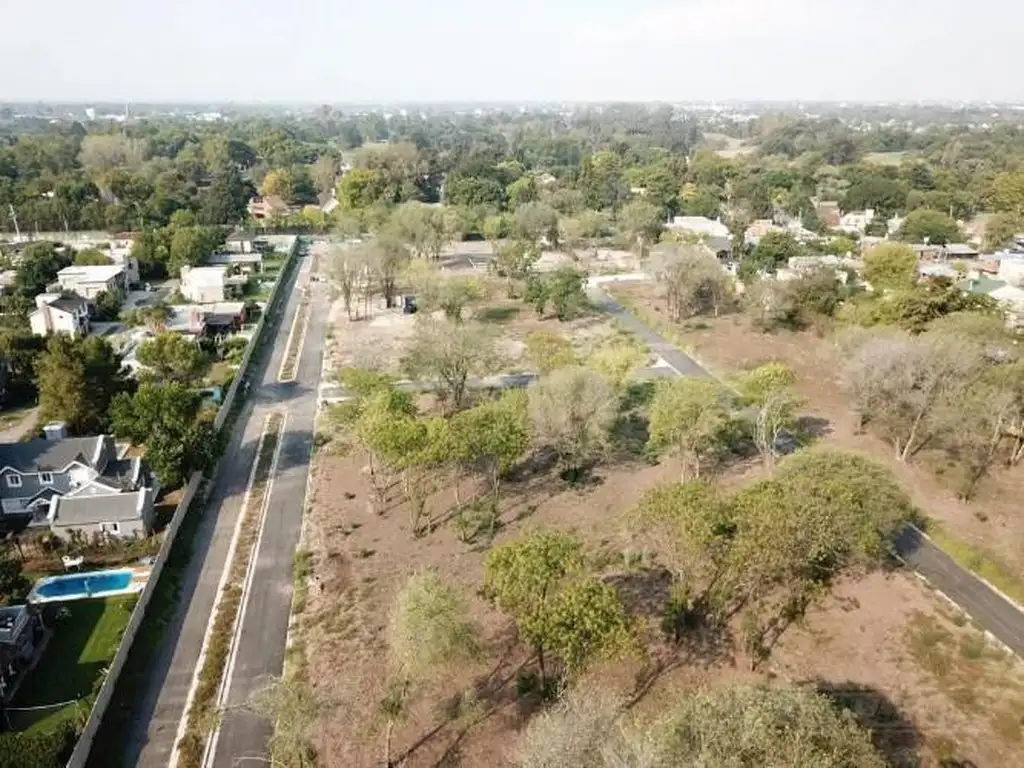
(703,642)
(497,314)
(893,732)
(808,428)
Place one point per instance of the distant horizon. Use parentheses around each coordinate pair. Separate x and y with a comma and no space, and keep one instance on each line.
(542,51)
(193,102)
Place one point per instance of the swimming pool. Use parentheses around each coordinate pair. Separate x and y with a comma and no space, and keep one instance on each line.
(78,586)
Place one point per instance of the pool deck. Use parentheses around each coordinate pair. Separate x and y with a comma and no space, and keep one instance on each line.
(140,575)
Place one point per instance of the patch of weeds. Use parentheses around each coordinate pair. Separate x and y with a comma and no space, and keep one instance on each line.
(926,640)
(960,619)
(944,748)
(364,553)
(1009,723)
(528,684)
(972,647)
(479,520)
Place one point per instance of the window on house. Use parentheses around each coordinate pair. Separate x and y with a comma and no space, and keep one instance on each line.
(46,478)
(14,481)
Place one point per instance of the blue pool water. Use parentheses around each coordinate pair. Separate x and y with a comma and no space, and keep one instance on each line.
(84,584)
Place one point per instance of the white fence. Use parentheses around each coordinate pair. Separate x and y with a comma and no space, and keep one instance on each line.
(99,708)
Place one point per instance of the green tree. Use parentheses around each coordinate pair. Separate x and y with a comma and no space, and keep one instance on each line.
(449,293)
(1007,193)
(563,289)
(572,410)
(1000,230)
(774,250)
(492,436)
(933,227)
(421,227)
(448,354)
(514,261)
(172,358)
(91,257)
(642,222)
(521,191)
(523,578)
(12,579)
(890,265)
(548,351)
(430,631)
(108,305)
(586,622)
(535,222)
(768,390)
(77,379)
(777,727)
(39,265)
(689,418)
(165,419)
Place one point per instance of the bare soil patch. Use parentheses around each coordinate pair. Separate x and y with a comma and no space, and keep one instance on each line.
(858,643)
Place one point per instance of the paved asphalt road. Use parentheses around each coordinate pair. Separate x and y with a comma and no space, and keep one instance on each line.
(261,646)
(990,609)
(161,706)
(987,607)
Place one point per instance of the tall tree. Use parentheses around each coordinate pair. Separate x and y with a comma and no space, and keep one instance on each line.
(77,380)
(890,265)
(572,410)
(165,419)
(172,357)
(448,354)
(689,418)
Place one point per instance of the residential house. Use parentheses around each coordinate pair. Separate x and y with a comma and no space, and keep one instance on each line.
(77,483)
(328,202)
(268,207)
(711,231)
(959,251)
(90,281)
(20,633)
(205,285)
(937,269)
(829,213)
(1010,299)
(856,221)
(1011,269)
(240,242)
(251,261)
(55,313)
(218,319)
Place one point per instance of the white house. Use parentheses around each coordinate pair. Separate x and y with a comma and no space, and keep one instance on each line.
(699,225)
(90,281)
(1011,270)
(59,314)
(856,221)
(205,285)
(1011,300)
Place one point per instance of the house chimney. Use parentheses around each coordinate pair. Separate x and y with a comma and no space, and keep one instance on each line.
(55,430)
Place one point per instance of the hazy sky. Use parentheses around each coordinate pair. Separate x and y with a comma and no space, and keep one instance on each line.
(479,50)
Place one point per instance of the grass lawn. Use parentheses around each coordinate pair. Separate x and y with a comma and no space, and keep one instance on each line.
(81,648)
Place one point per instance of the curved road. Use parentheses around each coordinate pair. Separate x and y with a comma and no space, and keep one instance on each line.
(1002,618)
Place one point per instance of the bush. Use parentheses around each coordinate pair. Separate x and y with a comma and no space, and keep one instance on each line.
(37,749)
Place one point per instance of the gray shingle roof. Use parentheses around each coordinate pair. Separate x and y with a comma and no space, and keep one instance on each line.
(49,455)
(69,303)
(90,510)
